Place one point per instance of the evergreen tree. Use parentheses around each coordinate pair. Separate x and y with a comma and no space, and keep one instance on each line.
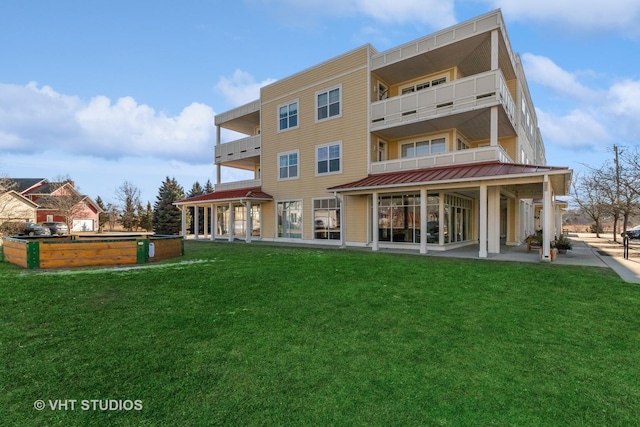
(103,217)
(146,217)
(196,190)
(208,187)
(167,217)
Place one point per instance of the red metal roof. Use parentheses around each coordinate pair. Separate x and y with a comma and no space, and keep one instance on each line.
(447,173)
(253,193)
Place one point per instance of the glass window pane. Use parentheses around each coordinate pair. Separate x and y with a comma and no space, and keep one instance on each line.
(284,160)
(322,113)
(334,151)
(334,109)
(323,166)
(334,95)
(283,124)
(293,121)
(322,99)
(283,112)
(422,148)
(438,146)
(293,108)
(334,165)
(406,150)
(323,153)
(293,171)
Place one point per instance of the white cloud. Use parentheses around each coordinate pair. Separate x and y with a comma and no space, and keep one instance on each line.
(578,129)
(617,106)
(241,88)
(435,13)
(544,71)
(36,119)
(619,16)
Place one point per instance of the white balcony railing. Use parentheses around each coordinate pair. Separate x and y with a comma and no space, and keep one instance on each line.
(238,150)
(238,184)
(473,155)
(489,88)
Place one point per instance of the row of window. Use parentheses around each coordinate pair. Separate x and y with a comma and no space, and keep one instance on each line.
(328,105)
(328,161)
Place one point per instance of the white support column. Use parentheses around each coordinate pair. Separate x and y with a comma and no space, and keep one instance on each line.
(441,219)
(343,215)
(493,133)
(205,230)
(183,211)
(218,167)
(483,221)
(196,222)
(558,221)
(423,221)
(547,222)
(494,50)
(249,222)
(493,220)
(232,221)
(213,222)
(376,221)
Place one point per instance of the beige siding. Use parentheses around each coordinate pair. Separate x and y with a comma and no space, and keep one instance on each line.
(350,73)
(356,219)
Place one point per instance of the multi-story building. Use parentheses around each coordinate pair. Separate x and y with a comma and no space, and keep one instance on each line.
(430,145)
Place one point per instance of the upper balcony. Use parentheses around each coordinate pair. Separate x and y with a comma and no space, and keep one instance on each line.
(244,119)
(457,104)
(243,153)
(459,157)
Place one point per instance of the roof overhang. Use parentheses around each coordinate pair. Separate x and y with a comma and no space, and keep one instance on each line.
(526,181)
(254,194)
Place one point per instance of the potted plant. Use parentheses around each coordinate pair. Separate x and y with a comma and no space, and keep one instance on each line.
(563,244)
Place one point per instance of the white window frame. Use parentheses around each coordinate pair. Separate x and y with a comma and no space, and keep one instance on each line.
(429,139)
(287,153)
(320,92)
(328,147)
(288,104)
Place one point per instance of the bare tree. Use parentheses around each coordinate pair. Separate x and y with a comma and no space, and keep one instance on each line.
(589,195)
(64,198)
(129,195)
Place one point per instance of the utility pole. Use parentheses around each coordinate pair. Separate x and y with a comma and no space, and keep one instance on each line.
(615,151)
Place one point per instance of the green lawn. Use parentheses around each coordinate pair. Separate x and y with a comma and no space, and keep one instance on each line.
(267,335)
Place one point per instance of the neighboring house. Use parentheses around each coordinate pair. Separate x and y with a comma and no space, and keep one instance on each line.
(59,201)
(366,148)
(15,207)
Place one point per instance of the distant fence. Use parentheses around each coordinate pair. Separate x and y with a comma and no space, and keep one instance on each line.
(89,251)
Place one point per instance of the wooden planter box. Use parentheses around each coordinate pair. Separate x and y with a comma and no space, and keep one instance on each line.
(68,253)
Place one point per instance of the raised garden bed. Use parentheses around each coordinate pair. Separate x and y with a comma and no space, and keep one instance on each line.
(69,252)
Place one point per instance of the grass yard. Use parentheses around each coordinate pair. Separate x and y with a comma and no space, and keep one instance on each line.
(267,335)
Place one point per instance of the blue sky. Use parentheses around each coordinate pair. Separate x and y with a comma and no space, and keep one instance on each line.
(114,91)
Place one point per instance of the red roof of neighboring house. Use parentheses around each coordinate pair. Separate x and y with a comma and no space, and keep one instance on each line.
(253,193)
(447,173)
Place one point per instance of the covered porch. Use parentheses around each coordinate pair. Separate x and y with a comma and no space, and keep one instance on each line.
(444,208)
(227,215)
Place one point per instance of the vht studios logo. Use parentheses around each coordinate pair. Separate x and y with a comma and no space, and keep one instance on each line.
(88,405)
